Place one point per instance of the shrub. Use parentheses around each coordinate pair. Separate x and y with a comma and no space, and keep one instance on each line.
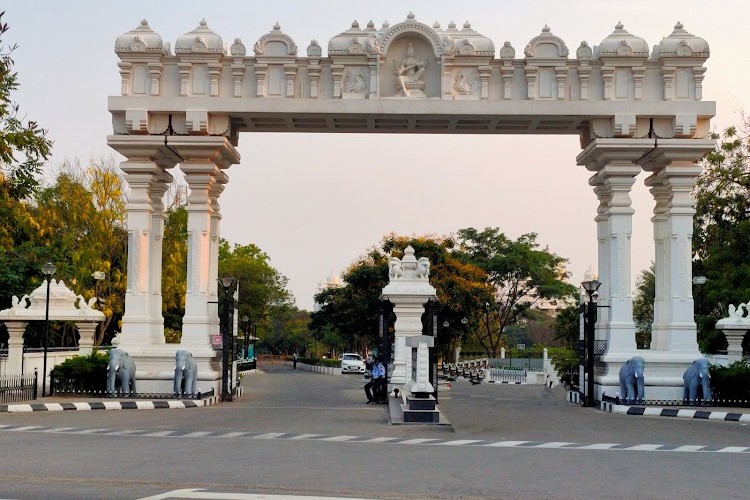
(731,382)
(81,373)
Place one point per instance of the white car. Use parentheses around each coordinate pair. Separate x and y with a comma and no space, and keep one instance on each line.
(352,363)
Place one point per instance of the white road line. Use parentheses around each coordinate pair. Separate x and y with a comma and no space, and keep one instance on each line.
(269,435)
(159,434)
(26,428)
(92,431)
(688,447)
(233,434)
(59,429)
(556,444)
(461,442)
(417,441)
(733,449)
(338,438)
(644,447)
(196,434)
(306,436)
(507,444)
(598,446)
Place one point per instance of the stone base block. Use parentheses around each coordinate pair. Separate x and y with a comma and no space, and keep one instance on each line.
(420,416)
(420,403)
(155,369)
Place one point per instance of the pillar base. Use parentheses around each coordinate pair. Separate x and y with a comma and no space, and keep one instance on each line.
(155,369)
(663,373)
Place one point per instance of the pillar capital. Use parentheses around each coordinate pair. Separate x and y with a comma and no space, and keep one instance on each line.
(143,148)
(602,152)
(680,153)
(202,149)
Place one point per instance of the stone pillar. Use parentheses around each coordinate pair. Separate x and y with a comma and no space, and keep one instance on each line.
(418,378)
(408,290)
(147,157)
(674,174)
(14,363)
(203,158)
(213,295)
(87,331)
(614,228)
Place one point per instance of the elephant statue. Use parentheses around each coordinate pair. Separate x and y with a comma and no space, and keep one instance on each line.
(697,381)
(121,368)
(632,381)
(185,372)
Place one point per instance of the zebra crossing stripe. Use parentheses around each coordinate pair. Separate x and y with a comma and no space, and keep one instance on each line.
(384,440)
(644,447)
(733,449)
(507,444)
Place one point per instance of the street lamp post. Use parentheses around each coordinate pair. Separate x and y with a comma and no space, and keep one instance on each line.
(99,277)
(245,320)
(227,301)
(589,319)
(48,269)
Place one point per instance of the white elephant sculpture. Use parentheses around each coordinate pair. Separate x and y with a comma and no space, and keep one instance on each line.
(697,380)
(185,372)
(121,368)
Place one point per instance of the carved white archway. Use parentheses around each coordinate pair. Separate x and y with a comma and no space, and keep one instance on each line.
(634,110)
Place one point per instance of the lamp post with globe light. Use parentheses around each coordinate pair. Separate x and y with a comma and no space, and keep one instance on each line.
(226,303)
(589,319)
(48,269)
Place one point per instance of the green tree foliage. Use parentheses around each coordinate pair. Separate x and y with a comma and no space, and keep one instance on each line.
(721,231)
(520,274)
(174,271)
(567,326)
(24,147)
(352,311)
(643,306)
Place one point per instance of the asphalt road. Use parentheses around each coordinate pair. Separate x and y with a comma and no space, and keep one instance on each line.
(301,434)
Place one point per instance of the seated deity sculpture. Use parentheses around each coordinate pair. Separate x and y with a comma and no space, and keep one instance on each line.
(409,72)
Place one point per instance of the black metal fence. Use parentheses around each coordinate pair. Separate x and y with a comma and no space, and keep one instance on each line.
(60,388)
(17,388)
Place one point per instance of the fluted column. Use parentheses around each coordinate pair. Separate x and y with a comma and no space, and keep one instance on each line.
(203,158)
(613,161)
(213,296)
(616,180)
(147,157)
(674,168)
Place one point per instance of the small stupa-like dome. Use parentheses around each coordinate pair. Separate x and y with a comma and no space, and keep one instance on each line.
(201,39)
(680,43)
(621,43)
(141,39)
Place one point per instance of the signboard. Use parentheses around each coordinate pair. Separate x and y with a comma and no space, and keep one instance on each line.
(521,346)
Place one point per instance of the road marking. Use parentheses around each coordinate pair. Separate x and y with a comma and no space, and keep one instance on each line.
(209,495)
(476,443)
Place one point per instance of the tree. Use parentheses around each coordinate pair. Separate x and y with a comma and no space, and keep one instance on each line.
(24,147)
(643,306)
(174,271)
(263,294)
(520,273)
(353,311)
(567,326)
(721,231)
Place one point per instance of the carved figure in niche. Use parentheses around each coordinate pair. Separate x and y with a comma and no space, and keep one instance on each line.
(395,270)
(462,85)
(423,268)
(354,84)
(409,72)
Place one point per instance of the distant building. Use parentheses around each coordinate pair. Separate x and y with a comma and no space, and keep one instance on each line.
(333,280)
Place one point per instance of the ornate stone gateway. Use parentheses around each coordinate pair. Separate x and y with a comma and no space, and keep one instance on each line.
(634,108)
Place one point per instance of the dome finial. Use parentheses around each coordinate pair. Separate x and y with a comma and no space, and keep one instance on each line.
(277,26)
(678,26)
(619,25)
(203,22)
(144,22)
(545,29)
(411,16)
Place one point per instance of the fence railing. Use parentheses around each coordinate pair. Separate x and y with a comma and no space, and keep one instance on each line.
(17,388)
(506,376)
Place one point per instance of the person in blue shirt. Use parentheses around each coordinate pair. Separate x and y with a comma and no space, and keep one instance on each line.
(376,384)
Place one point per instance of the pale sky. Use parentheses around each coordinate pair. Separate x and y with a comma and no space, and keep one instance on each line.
(315,202)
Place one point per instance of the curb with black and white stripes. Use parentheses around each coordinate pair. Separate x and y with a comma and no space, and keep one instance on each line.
(110,405)
(674,412)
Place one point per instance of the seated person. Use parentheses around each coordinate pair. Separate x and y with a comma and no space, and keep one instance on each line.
(377,384)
